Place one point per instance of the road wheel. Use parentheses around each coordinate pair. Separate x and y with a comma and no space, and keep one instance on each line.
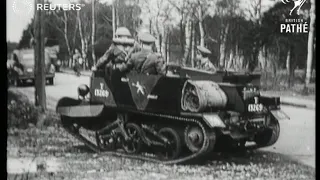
(172,149)
(132,146)
(194,138)
(269,136)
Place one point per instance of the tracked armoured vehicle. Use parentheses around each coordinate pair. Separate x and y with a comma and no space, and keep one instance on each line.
(181,117)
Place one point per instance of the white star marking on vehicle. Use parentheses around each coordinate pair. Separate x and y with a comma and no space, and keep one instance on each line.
(139,87)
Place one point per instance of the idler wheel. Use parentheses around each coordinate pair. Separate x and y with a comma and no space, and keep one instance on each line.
(172,148)
(194,138)
(269,136)
(134,144)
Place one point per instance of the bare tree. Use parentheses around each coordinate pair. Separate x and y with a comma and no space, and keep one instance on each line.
(39,52)
(93,32)
(82,38)
(113,20)
(187,40)
(310,42)
(64,19)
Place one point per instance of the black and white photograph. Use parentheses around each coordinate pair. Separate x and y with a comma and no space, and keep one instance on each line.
(161,89)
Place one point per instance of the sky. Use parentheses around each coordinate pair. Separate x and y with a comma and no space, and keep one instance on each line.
(17,22)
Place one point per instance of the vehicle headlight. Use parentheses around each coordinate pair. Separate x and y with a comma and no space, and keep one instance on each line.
(83,90)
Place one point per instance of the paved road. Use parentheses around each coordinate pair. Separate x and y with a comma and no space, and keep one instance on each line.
(297,139)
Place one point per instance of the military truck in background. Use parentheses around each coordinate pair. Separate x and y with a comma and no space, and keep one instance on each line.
(22,69)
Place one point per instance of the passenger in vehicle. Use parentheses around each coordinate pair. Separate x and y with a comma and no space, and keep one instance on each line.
(145,61)
(118,51)
(203,61)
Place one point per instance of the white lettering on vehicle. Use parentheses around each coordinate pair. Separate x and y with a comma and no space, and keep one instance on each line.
(150,96)
(101,92)
(256,107)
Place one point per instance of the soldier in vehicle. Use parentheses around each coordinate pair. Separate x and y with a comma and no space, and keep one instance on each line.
(118,51)
(203,61)
(145,61)
(136,47)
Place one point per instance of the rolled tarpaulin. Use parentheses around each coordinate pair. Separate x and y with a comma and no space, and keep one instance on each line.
(198,96)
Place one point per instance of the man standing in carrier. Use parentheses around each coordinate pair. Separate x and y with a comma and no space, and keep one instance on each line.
(203,61)
(117,52)
(145,61)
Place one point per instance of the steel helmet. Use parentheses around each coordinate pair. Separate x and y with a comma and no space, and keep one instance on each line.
(141,31)
(123,31)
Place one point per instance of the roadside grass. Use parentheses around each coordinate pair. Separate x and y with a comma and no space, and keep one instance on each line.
(23,114)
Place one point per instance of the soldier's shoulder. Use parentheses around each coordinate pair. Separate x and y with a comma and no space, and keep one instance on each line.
(135,55)
(153,56)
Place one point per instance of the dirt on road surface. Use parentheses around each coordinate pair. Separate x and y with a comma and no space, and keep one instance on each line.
(292,157)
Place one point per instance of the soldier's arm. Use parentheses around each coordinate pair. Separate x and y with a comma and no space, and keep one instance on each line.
(127,66)
(212,67)
(160,66)
(103,60)
(136,47)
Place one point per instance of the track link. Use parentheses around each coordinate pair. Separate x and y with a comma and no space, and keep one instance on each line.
(205,149)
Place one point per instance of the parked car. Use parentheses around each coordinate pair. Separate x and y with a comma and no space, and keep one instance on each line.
(23,68)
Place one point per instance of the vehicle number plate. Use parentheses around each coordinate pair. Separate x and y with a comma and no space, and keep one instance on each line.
(255,107)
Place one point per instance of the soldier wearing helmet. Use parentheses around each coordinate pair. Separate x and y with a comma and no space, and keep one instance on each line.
(145,61)
(137,44)
(202,59)
(117,52)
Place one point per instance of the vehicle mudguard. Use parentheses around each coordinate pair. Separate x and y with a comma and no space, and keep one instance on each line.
(213,120)
(75,108)
(279,115)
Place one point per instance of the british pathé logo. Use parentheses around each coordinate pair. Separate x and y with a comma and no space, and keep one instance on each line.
(297,5)
(294,25)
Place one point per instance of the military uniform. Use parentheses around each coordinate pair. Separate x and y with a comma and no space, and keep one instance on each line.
(115,56)
(112,56)
(203,61)
(145,61)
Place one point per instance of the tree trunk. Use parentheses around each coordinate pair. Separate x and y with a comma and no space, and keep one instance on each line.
(158,43)
(182,35)
(193,44)
(82,38)
(65,35)
(310,42)
(168,48)
(39,52)
(93,34)
(290,68)
(113,20)
(288,61)
(223,46)
(163,42)
(262,58)
(117,14)
(231,57)
(188,41)
(201,27)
